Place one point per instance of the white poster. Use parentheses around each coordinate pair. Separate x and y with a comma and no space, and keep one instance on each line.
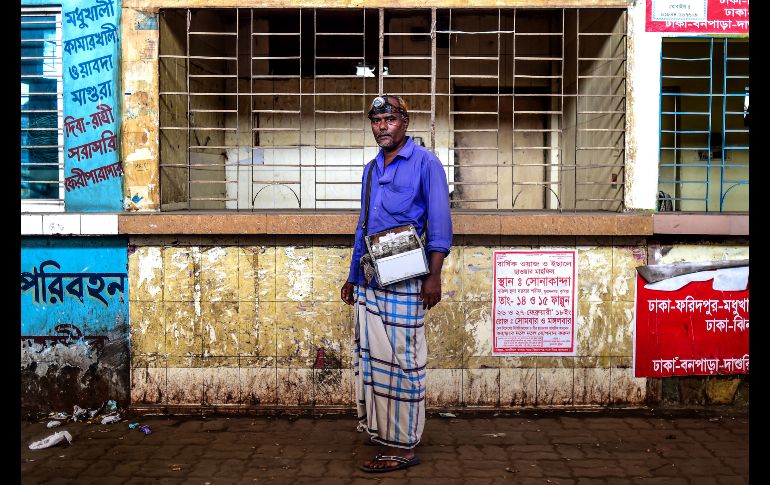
(679,10)
(534,305)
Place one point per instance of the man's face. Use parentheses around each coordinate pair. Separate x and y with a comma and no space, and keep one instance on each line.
(389,129)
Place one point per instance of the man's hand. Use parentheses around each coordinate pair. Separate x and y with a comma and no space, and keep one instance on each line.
(430,294)
(346,293)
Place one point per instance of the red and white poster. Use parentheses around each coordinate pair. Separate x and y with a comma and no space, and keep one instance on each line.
(692,324)
(698,16)
(534,306)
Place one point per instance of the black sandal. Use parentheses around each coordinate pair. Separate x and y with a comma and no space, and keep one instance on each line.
(402,463)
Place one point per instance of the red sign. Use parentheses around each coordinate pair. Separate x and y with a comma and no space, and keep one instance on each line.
(694,330)
(698,16)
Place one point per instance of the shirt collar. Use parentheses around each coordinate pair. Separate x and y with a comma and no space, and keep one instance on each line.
(405,152)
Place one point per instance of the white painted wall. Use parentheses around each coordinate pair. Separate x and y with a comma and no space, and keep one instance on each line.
(642,112)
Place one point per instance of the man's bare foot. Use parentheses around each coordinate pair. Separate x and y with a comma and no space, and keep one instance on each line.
(380,464)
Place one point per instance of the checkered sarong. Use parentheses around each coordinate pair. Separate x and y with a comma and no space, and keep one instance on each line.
(390,355)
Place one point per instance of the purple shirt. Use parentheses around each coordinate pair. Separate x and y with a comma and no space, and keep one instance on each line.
(411,190)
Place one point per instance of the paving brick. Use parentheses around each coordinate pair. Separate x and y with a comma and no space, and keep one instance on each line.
(239,449)
(732,480)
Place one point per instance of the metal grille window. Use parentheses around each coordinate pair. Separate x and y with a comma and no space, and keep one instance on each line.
(704,137)
(41,142)
(265,108)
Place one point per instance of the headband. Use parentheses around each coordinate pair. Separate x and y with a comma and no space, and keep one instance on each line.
(381,105)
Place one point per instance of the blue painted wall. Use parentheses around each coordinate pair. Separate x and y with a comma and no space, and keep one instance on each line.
(99,265)
(91,67)
(74,322)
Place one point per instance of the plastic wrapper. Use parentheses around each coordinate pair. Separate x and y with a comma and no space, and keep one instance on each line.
(79,413)
(111,419)
(52,440)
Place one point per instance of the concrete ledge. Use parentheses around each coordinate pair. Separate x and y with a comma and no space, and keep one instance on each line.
(699,223)
(192,223)
(343,222)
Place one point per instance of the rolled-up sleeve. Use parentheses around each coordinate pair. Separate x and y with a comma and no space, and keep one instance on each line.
(436,193)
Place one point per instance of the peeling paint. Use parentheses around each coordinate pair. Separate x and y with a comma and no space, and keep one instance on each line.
(140,154)
(298,275)
(262,324)
(702,253)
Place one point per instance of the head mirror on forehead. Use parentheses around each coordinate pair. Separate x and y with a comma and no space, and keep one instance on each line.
(382,105)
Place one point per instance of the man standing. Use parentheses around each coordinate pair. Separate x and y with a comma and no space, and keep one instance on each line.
(408,186)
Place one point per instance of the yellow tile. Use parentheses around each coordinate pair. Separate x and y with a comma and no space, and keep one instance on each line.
(554,362)
(622,329)
(257,328)
(266,273)
(592,362)
(594,273)
(331,266)
(452,276)
(219,328)
(293,276)
(510,362)
(477,273)
(445,335)
(179,273)
(183,336)
(595,331)
(698,253)
(294,329)
(149,360)
(481,362)
(145,274)
(256,362)
(625,260)
(478,327)
(147,328)
(248,273)
(219,273)
(333,331)
(296,362)
(216,361)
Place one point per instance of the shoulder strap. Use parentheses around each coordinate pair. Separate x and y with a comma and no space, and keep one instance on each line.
(369,166)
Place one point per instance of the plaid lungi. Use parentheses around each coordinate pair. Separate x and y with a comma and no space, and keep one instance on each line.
(390,354)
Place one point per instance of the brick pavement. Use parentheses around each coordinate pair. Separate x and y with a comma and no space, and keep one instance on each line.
(527,448)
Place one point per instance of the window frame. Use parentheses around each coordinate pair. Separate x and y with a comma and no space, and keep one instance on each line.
(51,204)
(719,74)
(575,152)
